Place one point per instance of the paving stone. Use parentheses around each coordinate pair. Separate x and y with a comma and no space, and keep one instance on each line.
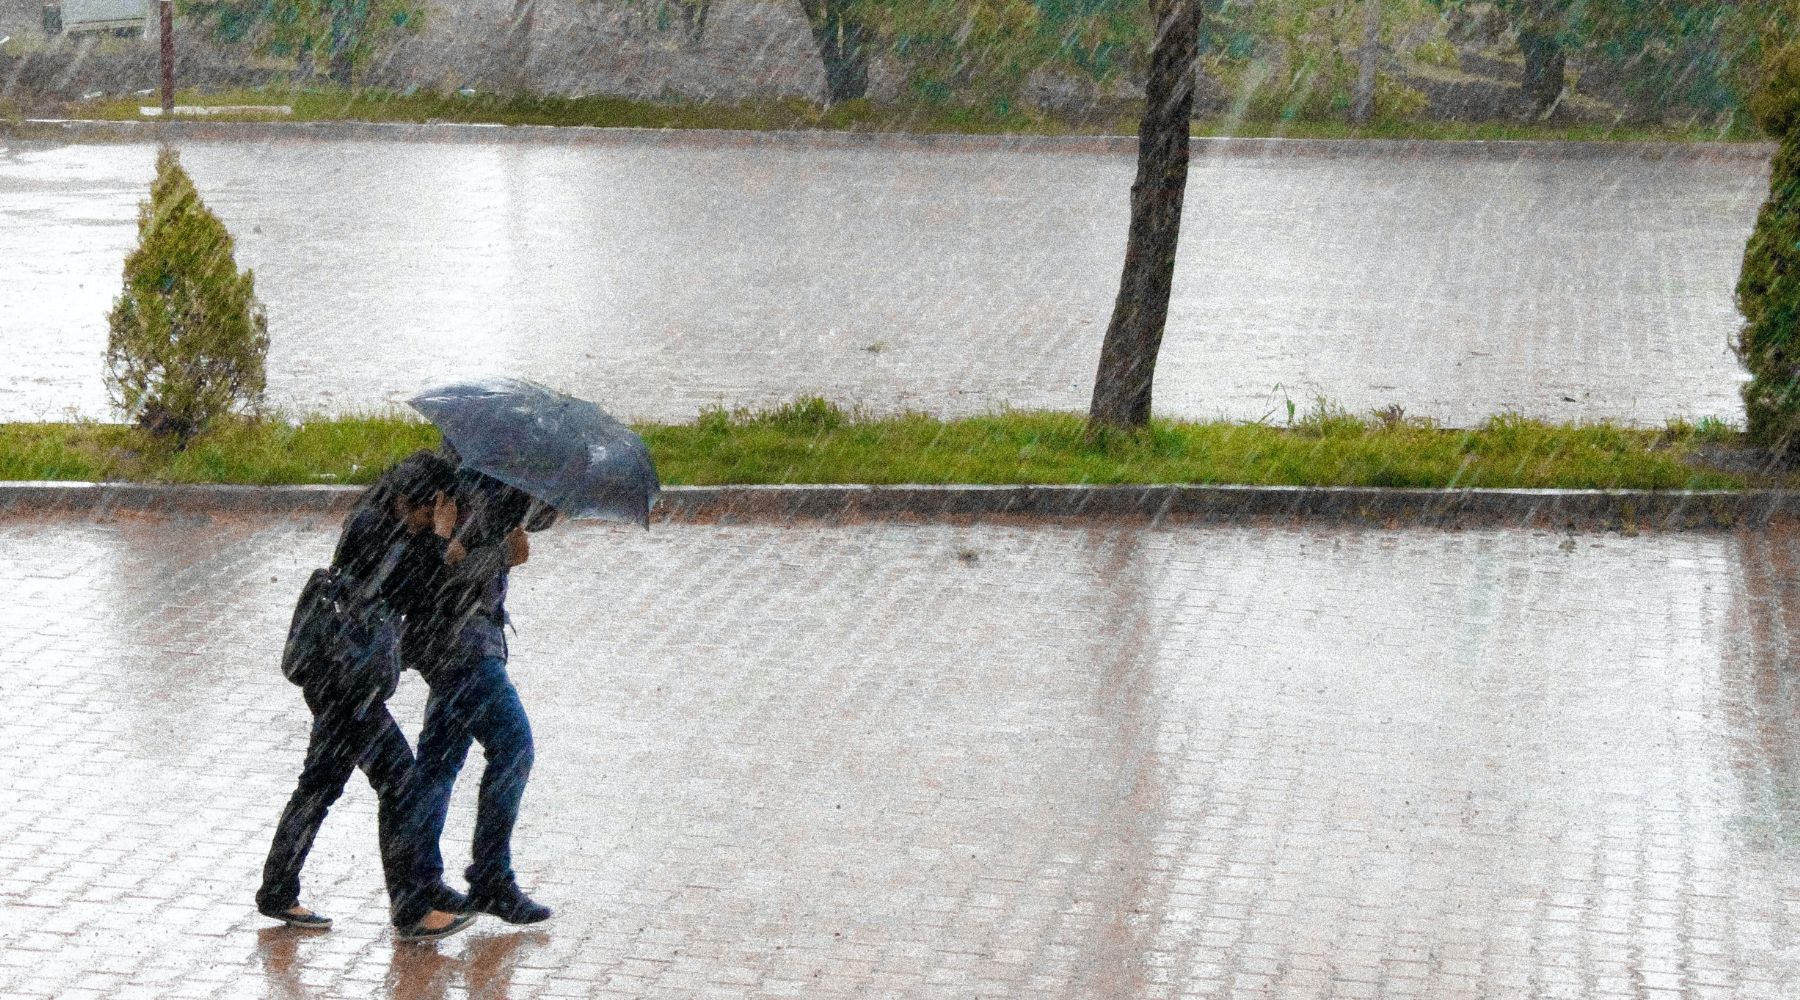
(663,274)
(1107,761)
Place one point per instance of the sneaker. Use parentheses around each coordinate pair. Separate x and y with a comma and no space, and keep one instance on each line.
(297,916)
(509,903)
(421,932)
(442,897)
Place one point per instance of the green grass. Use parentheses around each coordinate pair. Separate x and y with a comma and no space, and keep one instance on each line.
(613,112)
(385,106)
(349,450)
(814,442)
(1738,131)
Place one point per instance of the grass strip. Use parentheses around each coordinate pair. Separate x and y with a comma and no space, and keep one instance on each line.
(374,105)
(813,441)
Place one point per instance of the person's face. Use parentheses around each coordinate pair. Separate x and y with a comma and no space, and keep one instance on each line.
(416,519)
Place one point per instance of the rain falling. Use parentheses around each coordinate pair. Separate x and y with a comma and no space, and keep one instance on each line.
(899,498)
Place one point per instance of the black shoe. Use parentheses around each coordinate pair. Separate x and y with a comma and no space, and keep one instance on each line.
(509,903)
(420,932)
(442,897)
(307,919)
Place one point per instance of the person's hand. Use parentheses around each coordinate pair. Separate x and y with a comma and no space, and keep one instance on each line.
(443,516)
(518,547)
(455,553)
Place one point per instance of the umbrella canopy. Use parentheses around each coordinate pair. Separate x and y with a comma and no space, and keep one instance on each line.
(562,450)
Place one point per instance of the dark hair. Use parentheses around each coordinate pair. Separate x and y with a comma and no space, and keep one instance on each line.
(493,508)
(415,479)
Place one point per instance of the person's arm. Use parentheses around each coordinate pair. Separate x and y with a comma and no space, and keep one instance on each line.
(448,548)
(476,565)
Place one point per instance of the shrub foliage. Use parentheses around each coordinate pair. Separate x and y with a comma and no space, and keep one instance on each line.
(1768,291)
(187,336)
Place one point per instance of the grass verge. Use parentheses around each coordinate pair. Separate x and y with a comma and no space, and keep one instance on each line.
(812,441)
(387,106)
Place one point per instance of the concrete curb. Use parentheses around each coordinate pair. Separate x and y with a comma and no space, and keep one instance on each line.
(84,130)
(1558,509)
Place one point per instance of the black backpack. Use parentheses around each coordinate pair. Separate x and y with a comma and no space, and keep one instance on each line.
(340,645)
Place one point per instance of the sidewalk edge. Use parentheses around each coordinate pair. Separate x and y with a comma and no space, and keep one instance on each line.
(1574,509)
(87,130)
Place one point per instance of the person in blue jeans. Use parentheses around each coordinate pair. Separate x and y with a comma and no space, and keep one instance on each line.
(461,652)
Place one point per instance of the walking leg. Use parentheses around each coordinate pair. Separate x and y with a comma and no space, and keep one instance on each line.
(443,746)
(331,755)
(388,764)
(504,732)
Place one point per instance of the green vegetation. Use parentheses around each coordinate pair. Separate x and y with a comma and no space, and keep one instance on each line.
(339,35)
(372,105)
(187,337)
(1663,55)
(995,65)
(1313,60)
(236,450)
(982,52)
(1768,290)
(815,442)
(1730,131)
(855,116)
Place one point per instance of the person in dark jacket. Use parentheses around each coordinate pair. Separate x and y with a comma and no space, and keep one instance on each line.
(459,646)
(391,548)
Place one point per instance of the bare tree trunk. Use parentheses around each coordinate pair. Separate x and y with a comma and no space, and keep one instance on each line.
(1545,60)
(843,43)
(516,73)
(693,20)
(1133,338)
(1363,110)
(1545,63)
(346,24)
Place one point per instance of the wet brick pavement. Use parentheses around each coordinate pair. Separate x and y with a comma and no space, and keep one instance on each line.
(951,761)
(660,277)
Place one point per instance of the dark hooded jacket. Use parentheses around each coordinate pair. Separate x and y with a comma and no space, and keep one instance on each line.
(463,617)
(392,570)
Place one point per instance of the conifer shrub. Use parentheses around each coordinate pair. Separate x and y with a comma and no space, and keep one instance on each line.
(1768,291)
(188,338)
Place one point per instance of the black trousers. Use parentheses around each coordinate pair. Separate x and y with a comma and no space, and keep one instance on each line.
(344,739)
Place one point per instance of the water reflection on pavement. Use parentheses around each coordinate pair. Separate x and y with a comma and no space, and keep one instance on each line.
(661,278)
(950,761)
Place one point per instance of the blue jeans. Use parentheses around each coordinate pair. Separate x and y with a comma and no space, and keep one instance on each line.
(476,705)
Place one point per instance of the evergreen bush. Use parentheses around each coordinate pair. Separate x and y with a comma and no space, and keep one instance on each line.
(1768,291)
(187,337)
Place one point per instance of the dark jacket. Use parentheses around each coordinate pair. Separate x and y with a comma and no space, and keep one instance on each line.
(463,619)
(392,569)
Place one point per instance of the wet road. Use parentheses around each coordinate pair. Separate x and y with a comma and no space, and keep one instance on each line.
(664,277)
(952,762)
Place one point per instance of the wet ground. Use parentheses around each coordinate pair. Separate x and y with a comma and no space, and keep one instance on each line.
(660,278)
(943,761)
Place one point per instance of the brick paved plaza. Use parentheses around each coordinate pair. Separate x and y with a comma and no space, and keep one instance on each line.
(664,273)
(950,761)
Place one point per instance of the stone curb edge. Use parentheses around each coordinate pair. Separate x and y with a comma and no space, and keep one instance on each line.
(92,130)
(1558,509)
